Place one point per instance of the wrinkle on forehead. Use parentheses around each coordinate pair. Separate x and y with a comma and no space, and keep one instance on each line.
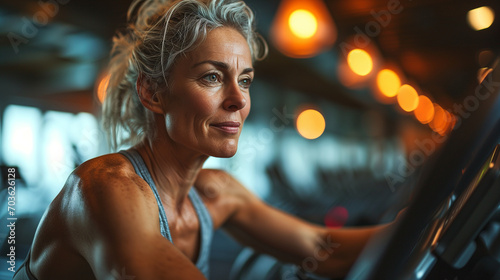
(226,45)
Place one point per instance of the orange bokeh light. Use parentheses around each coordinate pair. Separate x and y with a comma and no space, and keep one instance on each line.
(310,124)
(425,110)
(303,24)
(102,88)
(440,122)
(407,98)
(360,62)
(388,82)
(303,28)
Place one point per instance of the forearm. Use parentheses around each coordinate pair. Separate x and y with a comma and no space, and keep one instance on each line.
(338,249)
(312,247)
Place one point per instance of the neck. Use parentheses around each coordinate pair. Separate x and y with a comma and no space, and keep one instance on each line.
(173,167)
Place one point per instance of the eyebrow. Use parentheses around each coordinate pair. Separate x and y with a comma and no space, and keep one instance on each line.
(221,65)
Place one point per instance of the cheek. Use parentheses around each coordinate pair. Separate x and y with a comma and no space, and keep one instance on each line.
(198,100)
(246,111)
(204,105)
(192,109)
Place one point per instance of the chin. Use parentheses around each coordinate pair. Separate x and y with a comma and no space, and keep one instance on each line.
(226,151)
(224,154)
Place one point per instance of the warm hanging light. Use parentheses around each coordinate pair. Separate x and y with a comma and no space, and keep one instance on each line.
(357,67)
(480,18)
(425,110)
(303,24)
(360,62)
(441,120)
(407,98)
(388,82)
(303,28)
(310,124)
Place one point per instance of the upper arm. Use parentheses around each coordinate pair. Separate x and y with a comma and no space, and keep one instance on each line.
(117,232)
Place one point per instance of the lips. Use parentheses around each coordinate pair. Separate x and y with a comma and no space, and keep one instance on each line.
(227,127)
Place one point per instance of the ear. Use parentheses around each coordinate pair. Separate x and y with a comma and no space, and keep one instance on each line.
(147,95)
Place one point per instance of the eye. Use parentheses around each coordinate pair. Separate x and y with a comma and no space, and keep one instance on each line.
(245,83)
(212,78)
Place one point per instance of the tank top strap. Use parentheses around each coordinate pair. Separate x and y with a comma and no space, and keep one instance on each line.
(206,228)
(141,169)
(24,272)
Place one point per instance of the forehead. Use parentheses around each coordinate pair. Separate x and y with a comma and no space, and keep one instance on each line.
(223,44)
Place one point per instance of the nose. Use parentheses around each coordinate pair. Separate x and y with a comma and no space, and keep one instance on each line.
(234,98)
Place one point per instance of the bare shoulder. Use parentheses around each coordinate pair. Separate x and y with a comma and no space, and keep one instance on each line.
(214,183)
(108,184)
(223,194)
(104,167)
(100,188)
(112,172)
(98,182)
(97,195)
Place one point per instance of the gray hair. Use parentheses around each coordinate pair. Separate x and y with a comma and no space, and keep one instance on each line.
(157,33)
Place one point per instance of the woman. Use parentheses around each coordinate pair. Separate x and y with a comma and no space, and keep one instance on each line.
(179,88)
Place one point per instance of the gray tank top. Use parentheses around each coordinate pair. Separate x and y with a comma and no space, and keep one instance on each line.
(206,226)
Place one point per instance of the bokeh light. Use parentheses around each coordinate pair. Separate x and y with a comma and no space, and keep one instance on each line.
(310,124)
(388,82)
(482,73)
(302,29)
(407,98)
(360,62)
(21,125)
(102,88)
(481,18)
(425,110)
(336,217)
(303,24)
(485,57)
(440,122)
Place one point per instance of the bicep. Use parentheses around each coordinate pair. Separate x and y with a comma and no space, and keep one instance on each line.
(123,237)
(145,257)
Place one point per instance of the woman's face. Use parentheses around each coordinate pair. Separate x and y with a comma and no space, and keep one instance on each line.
(208,99)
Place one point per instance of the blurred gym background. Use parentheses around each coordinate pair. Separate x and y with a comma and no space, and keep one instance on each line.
(352,99)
